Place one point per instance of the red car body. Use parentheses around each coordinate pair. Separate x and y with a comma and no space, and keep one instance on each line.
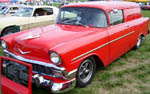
(75,43)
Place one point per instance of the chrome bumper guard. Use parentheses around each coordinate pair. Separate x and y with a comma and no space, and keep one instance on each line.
(41,81)
(55,87)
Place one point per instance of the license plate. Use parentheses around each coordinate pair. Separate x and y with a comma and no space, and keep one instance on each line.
(15,71)
(16,76)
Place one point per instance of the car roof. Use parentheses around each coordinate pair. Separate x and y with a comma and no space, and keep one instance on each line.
(39,6)
(106,5)
(11,5)
(28,6)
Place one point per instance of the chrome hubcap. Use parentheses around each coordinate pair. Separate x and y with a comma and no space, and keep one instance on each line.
(86,71)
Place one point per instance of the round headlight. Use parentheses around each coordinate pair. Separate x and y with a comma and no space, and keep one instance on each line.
(55,58)
(3,44)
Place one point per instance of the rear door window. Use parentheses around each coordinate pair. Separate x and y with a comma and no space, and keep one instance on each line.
(116,17)
(43,11)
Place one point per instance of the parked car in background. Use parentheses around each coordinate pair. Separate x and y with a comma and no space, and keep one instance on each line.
(145,7)
(28,17)
(8,10)
(64,55)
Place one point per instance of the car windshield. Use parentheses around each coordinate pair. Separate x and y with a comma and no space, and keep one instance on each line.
(88,17)
(24,12)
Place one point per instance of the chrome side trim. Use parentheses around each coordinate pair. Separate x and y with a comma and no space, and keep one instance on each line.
(102,46)
(46,64)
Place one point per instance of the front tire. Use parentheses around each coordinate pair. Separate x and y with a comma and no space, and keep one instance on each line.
(139,42)
(85,72)
(8,31)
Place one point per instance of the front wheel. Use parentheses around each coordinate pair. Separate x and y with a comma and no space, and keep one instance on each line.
(139,42)
(85,72)
(8,31)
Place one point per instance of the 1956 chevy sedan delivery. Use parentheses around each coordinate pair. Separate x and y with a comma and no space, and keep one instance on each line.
(65,54)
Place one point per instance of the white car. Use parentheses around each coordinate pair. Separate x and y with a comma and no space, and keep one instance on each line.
(28,17)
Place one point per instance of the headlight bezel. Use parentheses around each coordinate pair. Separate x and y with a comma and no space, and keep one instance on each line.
(3,44)
(55,58)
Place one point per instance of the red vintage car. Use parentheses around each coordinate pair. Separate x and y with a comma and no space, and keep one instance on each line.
(65,54)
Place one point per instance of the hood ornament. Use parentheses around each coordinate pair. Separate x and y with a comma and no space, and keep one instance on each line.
(23,52)
(31,36)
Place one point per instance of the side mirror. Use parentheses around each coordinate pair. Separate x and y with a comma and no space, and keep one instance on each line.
(115,10)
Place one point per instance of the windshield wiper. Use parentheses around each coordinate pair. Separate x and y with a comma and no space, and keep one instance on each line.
(73,22)
(68,22)
(78,23)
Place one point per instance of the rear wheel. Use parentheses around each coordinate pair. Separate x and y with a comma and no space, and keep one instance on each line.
(139,42)
(85,72)
(8,31)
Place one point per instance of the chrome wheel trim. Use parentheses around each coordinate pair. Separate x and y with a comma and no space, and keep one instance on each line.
(139,41)
(86,70)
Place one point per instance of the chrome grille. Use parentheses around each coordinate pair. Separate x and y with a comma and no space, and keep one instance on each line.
(42,69)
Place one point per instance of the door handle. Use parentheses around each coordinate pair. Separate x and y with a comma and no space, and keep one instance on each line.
(127,25)
(19,92)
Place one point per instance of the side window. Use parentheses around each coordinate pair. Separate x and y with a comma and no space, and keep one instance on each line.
(68,15)
(48,11)
(116,17)
(43,11)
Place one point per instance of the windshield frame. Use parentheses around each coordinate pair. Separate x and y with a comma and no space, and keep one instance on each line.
(97,9)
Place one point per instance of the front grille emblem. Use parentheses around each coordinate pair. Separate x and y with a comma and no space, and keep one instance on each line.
(23,52)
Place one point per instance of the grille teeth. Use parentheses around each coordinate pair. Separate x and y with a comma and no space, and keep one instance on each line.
(42,69)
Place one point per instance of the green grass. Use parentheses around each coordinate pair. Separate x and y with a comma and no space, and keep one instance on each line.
(129,74)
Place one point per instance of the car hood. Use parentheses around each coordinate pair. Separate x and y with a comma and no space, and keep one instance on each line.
(40,40)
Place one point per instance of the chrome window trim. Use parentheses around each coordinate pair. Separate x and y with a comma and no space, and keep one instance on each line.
(102,46)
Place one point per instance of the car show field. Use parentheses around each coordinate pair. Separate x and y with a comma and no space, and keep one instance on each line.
(91,47)
(128,74)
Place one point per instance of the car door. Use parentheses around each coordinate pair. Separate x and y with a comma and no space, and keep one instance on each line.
(22,22)
(41,17)
(119,34)
(16,76)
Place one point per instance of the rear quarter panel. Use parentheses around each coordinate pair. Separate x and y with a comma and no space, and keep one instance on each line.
(136,22)
(140,26)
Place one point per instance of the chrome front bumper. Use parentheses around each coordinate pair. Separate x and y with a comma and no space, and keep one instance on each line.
(63,87)
(55,87)
(41,81)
